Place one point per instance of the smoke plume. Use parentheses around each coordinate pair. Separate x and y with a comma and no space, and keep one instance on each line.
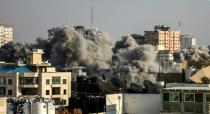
(198,54)
(138,62)
(79,47)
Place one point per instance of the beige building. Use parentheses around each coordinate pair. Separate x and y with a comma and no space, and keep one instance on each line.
(35,78)
(163,38)
(6,33)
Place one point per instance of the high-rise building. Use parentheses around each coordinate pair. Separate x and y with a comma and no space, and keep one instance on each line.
(188,41)
(36,77)
(6,33)
(163,38)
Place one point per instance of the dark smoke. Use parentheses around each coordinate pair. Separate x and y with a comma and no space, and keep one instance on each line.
(12,52)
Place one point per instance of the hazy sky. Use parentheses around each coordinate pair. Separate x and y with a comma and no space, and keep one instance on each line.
(32,18)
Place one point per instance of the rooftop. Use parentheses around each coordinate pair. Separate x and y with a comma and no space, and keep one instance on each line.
(14,69)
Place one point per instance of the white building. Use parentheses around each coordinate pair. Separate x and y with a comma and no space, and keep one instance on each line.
(187,41)
(6,33)
(132,104)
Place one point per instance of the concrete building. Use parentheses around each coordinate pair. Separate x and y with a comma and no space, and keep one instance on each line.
(187,42)
(185,99)
(202,76)
(36,77)
(132,104)
(6,33)
(163,38)
(166,56)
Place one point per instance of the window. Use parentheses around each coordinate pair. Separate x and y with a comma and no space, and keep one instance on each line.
(189,97)
(2,90)
(64,81)
(198,97)
(57,101)
(56,80)
(174,97)
(9,92)
(64,102)
(207,97)
(10,81)
(56,91)
(64,91)
(2,80)
(47,81)
(29,80)
(47,92)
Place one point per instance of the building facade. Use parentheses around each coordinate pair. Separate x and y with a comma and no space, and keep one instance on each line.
(35,78)
(6,33)
(163,38)
(185,99)
(187,42)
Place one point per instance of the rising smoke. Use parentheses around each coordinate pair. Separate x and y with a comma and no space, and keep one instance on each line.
(79,47)
(137,62)
(198,54)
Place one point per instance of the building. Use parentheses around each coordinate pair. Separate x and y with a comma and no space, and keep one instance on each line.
(163,38)
(6,33)
(187,42)
(36,77)
(166,58)
(140,39)
(185,99)
(202,76)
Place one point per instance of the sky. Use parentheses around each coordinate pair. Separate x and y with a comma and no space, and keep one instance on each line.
(32,18)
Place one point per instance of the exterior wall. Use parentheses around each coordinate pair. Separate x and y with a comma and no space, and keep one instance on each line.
(3,106)
(166,56)
(35,57)
(198,104)
(187,42)
(114,101)
(67,86)
(141,103)
(6,34)
(7,86)
(167,38)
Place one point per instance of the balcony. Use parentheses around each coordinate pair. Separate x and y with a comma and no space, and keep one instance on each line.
(28,82)
(30,74)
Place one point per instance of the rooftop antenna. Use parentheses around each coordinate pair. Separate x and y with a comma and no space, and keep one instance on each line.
(91,15)
(179,25)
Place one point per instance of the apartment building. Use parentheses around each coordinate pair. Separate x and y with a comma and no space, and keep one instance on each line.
(188,42)
(36,77)
(163,38)
(6,33)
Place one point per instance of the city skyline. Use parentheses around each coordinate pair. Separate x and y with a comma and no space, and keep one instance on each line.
(32,19)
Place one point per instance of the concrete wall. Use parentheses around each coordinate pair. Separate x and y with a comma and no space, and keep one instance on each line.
(3,106)
(141,103)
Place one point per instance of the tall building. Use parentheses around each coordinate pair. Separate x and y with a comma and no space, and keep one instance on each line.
(36,77)
(6,33)
(163,38)
(188,42)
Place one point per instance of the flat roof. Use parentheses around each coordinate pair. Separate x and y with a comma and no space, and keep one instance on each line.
(186,88)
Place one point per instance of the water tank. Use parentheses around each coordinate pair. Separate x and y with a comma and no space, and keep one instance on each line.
(24,108)
(9,108)
(50,108)
(39,108)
